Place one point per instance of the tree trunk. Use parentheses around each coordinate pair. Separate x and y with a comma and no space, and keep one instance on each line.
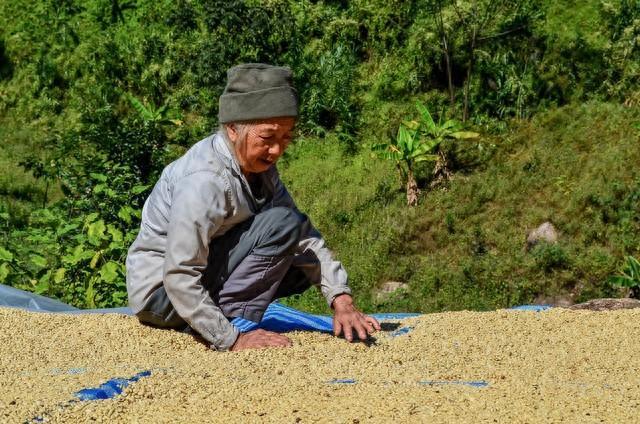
(441,171)
(447,54)
(447,59)
(472,49)
(412,189)
(46,193)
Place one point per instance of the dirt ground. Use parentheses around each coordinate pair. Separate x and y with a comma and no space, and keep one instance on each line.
(503,366)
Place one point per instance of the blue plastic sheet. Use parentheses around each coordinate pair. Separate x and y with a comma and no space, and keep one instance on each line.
(533,308)
(110,389)
(15,298)
(477,384)
(11,297)
(277,317)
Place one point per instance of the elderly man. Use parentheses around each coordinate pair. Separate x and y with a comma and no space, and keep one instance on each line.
(221,237)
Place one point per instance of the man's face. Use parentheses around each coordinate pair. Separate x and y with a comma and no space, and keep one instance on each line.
(266,141)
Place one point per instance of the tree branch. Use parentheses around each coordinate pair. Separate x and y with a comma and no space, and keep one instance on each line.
(500,34)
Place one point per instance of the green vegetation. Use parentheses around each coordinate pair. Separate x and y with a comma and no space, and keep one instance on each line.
(629,276)
(421,141)
(463,246)
(96,97)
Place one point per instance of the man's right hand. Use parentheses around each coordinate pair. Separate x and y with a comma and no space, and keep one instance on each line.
(257,339)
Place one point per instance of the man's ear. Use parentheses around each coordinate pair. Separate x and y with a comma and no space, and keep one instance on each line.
(232,132)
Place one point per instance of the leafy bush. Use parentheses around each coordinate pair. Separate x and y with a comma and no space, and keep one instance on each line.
(421,141)
(327,101)
(71,254)
(66,67)
(550,256)
(629,276)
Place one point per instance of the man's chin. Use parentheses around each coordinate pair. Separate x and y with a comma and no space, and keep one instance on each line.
(264,165)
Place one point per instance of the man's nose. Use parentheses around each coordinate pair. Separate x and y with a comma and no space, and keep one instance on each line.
(275,150)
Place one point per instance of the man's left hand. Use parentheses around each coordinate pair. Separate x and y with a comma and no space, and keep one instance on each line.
(347,319)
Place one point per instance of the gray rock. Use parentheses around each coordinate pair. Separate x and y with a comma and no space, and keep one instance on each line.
(545,232)
(391,287)
(607,304)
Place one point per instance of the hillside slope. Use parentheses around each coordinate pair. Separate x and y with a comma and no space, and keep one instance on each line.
(463,246)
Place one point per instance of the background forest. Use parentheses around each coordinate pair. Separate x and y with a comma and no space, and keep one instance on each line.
(97,96)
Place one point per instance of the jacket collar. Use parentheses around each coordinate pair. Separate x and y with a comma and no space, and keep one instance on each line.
(225,151)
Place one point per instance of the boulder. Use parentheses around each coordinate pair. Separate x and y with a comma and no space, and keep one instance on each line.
(545,232)
(607,304)
(389,288)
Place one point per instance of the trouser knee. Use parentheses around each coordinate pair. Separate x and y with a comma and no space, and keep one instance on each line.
(280,231)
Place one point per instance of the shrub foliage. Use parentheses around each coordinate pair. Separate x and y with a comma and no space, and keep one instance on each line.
(97,96)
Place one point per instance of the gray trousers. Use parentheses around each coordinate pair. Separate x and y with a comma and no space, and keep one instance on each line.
(248,267)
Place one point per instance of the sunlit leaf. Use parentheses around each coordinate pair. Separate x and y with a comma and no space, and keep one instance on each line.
(78,254)
(38,261)
(139,189)
(4,272)
(412,125)
(58,276)
(95,259)
(100,177)
(116,235)
(5,255)
(95,232)
(125,214)
(464,135)
(42,287)
(91,217)
(109,271)
(427,158)
(426,117)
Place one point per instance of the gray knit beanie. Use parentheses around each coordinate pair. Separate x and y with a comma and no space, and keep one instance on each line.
(257,91)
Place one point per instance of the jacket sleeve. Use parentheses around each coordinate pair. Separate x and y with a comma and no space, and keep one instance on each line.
(312,255)
(198,208)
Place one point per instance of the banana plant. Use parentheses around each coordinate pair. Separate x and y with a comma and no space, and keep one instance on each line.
(435,135)
(152,113)
(420,141)
(406,150)
(629,276)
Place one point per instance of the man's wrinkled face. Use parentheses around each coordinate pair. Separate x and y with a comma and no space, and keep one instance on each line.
(265,142)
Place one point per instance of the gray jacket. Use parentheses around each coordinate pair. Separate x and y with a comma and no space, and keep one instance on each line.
(198,198)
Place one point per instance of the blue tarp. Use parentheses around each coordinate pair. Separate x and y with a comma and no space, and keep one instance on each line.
(277,317)
(16,298)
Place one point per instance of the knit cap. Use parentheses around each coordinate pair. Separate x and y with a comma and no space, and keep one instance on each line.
(257,91)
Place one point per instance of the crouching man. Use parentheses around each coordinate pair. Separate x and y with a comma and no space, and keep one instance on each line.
(220,235)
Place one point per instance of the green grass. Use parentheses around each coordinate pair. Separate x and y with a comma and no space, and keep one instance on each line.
(463,246)
(20,191)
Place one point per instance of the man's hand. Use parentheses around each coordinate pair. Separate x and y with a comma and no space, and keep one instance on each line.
(257,339)
(347,318)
